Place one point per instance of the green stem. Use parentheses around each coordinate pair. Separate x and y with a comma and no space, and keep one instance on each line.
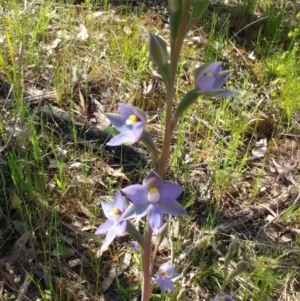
(147,268)
(175,53)
(162,163)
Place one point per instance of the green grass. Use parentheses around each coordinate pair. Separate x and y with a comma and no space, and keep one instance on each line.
(52,184)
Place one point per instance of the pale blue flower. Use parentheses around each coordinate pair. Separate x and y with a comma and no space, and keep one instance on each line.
(135,246)
(113,226)
(165,277)
(222,297)
(210,79)
(155,198)
(130,123)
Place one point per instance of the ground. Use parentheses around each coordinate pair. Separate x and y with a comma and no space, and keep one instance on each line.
(63,65)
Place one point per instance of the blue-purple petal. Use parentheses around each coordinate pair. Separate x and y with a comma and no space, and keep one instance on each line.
(173,208)
(226,93)
(119,201)
(153,180)
(169,269)
(221,79)
(136,193)
(169,192)
(205,83)
(161,283)
(155,216)
(116,121)
(125,111)
(120,228)
(201,70)
(125,137)
(134,210)
(111,234)
(138,129)
(215,68)
(107,208)
(105,227)
(140,113)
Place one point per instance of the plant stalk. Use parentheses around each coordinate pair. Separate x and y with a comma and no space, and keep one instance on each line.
(163,160)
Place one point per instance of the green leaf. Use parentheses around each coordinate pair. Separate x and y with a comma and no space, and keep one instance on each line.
(135,233)
(187,101)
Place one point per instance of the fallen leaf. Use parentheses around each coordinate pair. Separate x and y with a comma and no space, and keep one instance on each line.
(259,149)
(83,33)
(17,249)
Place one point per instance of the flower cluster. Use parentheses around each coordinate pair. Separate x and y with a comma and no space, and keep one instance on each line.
(153,197)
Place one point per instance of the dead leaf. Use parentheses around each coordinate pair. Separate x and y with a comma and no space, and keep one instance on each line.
(286,237)
(259,149)
(17,249)
(82,101)
(24,288)
(83,33)
(251,56)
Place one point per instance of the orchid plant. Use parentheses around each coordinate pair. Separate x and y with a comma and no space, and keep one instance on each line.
(154,198)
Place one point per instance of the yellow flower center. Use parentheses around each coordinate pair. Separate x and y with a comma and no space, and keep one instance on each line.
(132,119)
(153,195)
(209,73)
(116,211)
(164,274)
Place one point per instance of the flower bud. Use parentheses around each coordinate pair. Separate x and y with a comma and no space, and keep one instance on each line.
(158,50)
(241,266)
(198,9)
(232,250)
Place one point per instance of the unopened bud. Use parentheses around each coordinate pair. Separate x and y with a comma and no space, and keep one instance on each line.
(158,50)
(232,250)
(198,9)
(241,266)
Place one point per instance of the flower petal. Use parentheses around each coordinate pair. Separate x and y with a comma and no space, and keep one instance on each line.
(173,208)
(140,113)
(205,83)
(169,192)
(105,227)
(119,201)
(226,93)
(155,216)
(200,71)
(121,228)
(117,122)
(136,193)
(215,68)
(169,269)
(135,210)
(169,284)
(111,234)
(107,208)
(153,180)
(125,137)
(138,129)
(161,283)
(125,111)
(221,79)
(174,276)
